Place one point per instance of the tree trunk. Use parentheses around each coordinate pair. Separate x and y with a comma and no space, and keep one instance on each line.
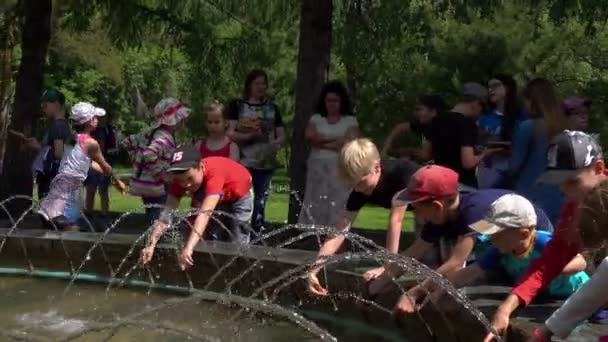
(6,78)
(313,65)
(35,37)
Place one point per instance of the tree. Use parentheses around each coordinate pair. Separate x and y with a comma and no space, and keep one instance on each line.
(35,37)
(313,63)
(7,40)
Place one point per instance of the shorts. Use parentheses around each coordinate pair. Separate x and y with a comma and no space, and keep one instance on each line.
(97,179)
(231,221)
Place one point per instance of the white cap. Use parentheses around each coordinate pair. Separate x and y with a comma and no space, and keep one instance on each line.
(508,211)
(84,111)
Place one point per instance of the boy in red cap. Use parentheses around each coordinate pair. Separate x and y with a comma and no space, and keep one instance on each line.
(433,194)
(213,183)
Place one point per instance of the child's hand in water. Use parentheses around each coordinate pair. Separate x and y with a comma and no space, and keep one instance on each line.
(184,259)
(146,255)
(373,273)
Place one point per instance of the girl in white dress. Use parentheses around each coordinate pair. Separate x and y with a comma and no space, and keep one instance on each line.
(61,207)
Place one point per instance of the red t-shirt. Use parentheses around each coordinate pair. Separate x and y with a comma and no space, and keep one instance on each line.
(221,176)
(556,255)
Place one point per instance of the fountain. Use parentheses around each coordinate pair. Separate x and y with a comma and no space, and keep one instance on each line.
(233,292)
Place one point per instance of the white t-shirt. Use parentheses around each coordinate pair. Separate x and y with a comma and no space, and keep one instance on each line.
(334,130)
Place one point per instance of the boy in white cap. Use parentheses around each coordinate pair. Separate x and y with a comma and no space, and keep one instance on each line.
(61,207)
(511,226)
(150,152)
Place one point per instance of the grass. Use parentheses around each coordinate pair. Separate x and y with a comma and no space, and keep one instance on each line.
(370,217)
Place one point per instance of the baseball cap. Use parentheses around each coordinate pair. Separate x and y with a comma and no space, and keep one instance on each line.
(184,158)
(569,152)
(84,111)
(508,211)
(573,102)
(429,182)
(475,90)
(52,95)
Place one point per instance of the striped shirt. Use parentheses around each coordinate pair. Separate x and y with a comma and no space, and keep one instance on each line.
(153,159)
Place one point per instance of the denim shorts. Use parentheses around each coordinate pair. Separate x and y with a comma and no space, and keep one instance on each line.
(95,178)
(231,221)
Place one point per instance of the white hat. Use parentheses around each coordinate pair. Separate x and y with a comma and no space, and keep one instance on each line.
(508,211)
(169,111)
(84,111)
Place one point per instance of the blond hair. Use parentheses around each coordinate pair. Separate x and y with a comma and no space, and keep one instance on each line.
(215,106)
(357,159)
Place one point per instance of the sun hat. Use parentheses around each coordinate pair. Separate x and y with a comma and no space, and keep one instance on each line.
(169,111)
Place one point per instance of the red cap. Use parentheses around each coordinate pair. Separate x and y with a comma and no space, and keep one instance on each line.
(429,182)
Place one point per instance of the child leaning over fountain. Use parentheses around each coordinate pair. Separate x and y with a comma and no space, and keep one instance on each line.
(213,183)
(374,181)
(433,194)
(511,225)
(593,233)
(61,207)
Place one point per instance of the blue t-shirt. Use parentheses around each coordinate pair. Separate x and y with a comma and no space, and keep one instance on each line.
(490,126)
(563,286)
(474,206)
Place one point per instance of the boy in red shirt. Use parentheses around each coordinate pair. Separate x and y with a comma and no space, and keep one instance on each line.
(576,162)
(213,183)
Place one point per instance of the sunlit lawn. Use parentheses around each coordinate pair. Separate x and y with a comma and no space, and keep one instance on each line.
(276,209)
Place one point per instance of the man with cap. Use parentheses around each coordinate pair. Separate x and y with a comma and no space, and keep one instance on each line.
(575,161)
(214,183)
(453,136)
(434,196)
(577,111)
(46,164)
(511,225)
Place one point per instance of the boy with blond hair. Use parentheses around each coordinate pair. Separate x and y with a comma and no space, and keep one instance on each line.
(374,181)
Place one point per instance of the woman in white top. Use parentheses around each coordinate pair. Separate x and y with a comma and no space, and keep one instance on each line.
(327,131)
(61,207)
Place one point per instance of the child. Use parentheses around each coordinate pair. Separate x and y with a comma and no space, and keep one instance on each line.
(374,181)
(214,182)
(151,153)
(511,224)
(575,161)
(593,223)
(61,207)
(217,143)
(433,194)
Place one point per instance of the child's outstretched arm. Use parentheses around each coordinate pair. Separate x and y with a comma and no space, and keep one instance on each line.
(200,225)
(99,163)
(330,247)
(160,226)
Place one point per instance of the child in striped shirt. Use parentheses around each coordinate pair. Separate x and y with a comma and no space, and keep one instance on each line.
(151,152)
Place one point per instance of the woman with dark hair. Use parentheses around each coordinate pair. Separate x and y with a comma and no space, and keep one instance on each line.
(496,126)
(332,125)
(256,125)
(530,142)
(427,107)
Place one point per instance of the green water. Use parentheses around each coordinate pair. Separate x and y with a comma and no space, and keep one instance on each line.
(35,309)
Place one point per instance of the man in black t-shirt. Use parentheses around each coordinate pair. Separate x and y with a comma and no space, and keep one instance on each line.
(374,181)
(46,164)
(453,136)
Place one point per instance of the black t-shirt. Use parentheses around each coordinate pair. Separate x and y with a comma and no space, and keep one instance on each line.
(395,177)
(421,128)
(448,133)
(58,130)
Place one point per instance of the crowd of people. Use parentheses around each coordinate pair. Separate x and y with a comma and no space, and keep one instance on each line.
(488,183)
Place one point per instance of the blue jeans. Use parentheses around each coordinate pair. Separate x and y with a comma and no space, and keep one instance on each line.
(260,180)
(153,212)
